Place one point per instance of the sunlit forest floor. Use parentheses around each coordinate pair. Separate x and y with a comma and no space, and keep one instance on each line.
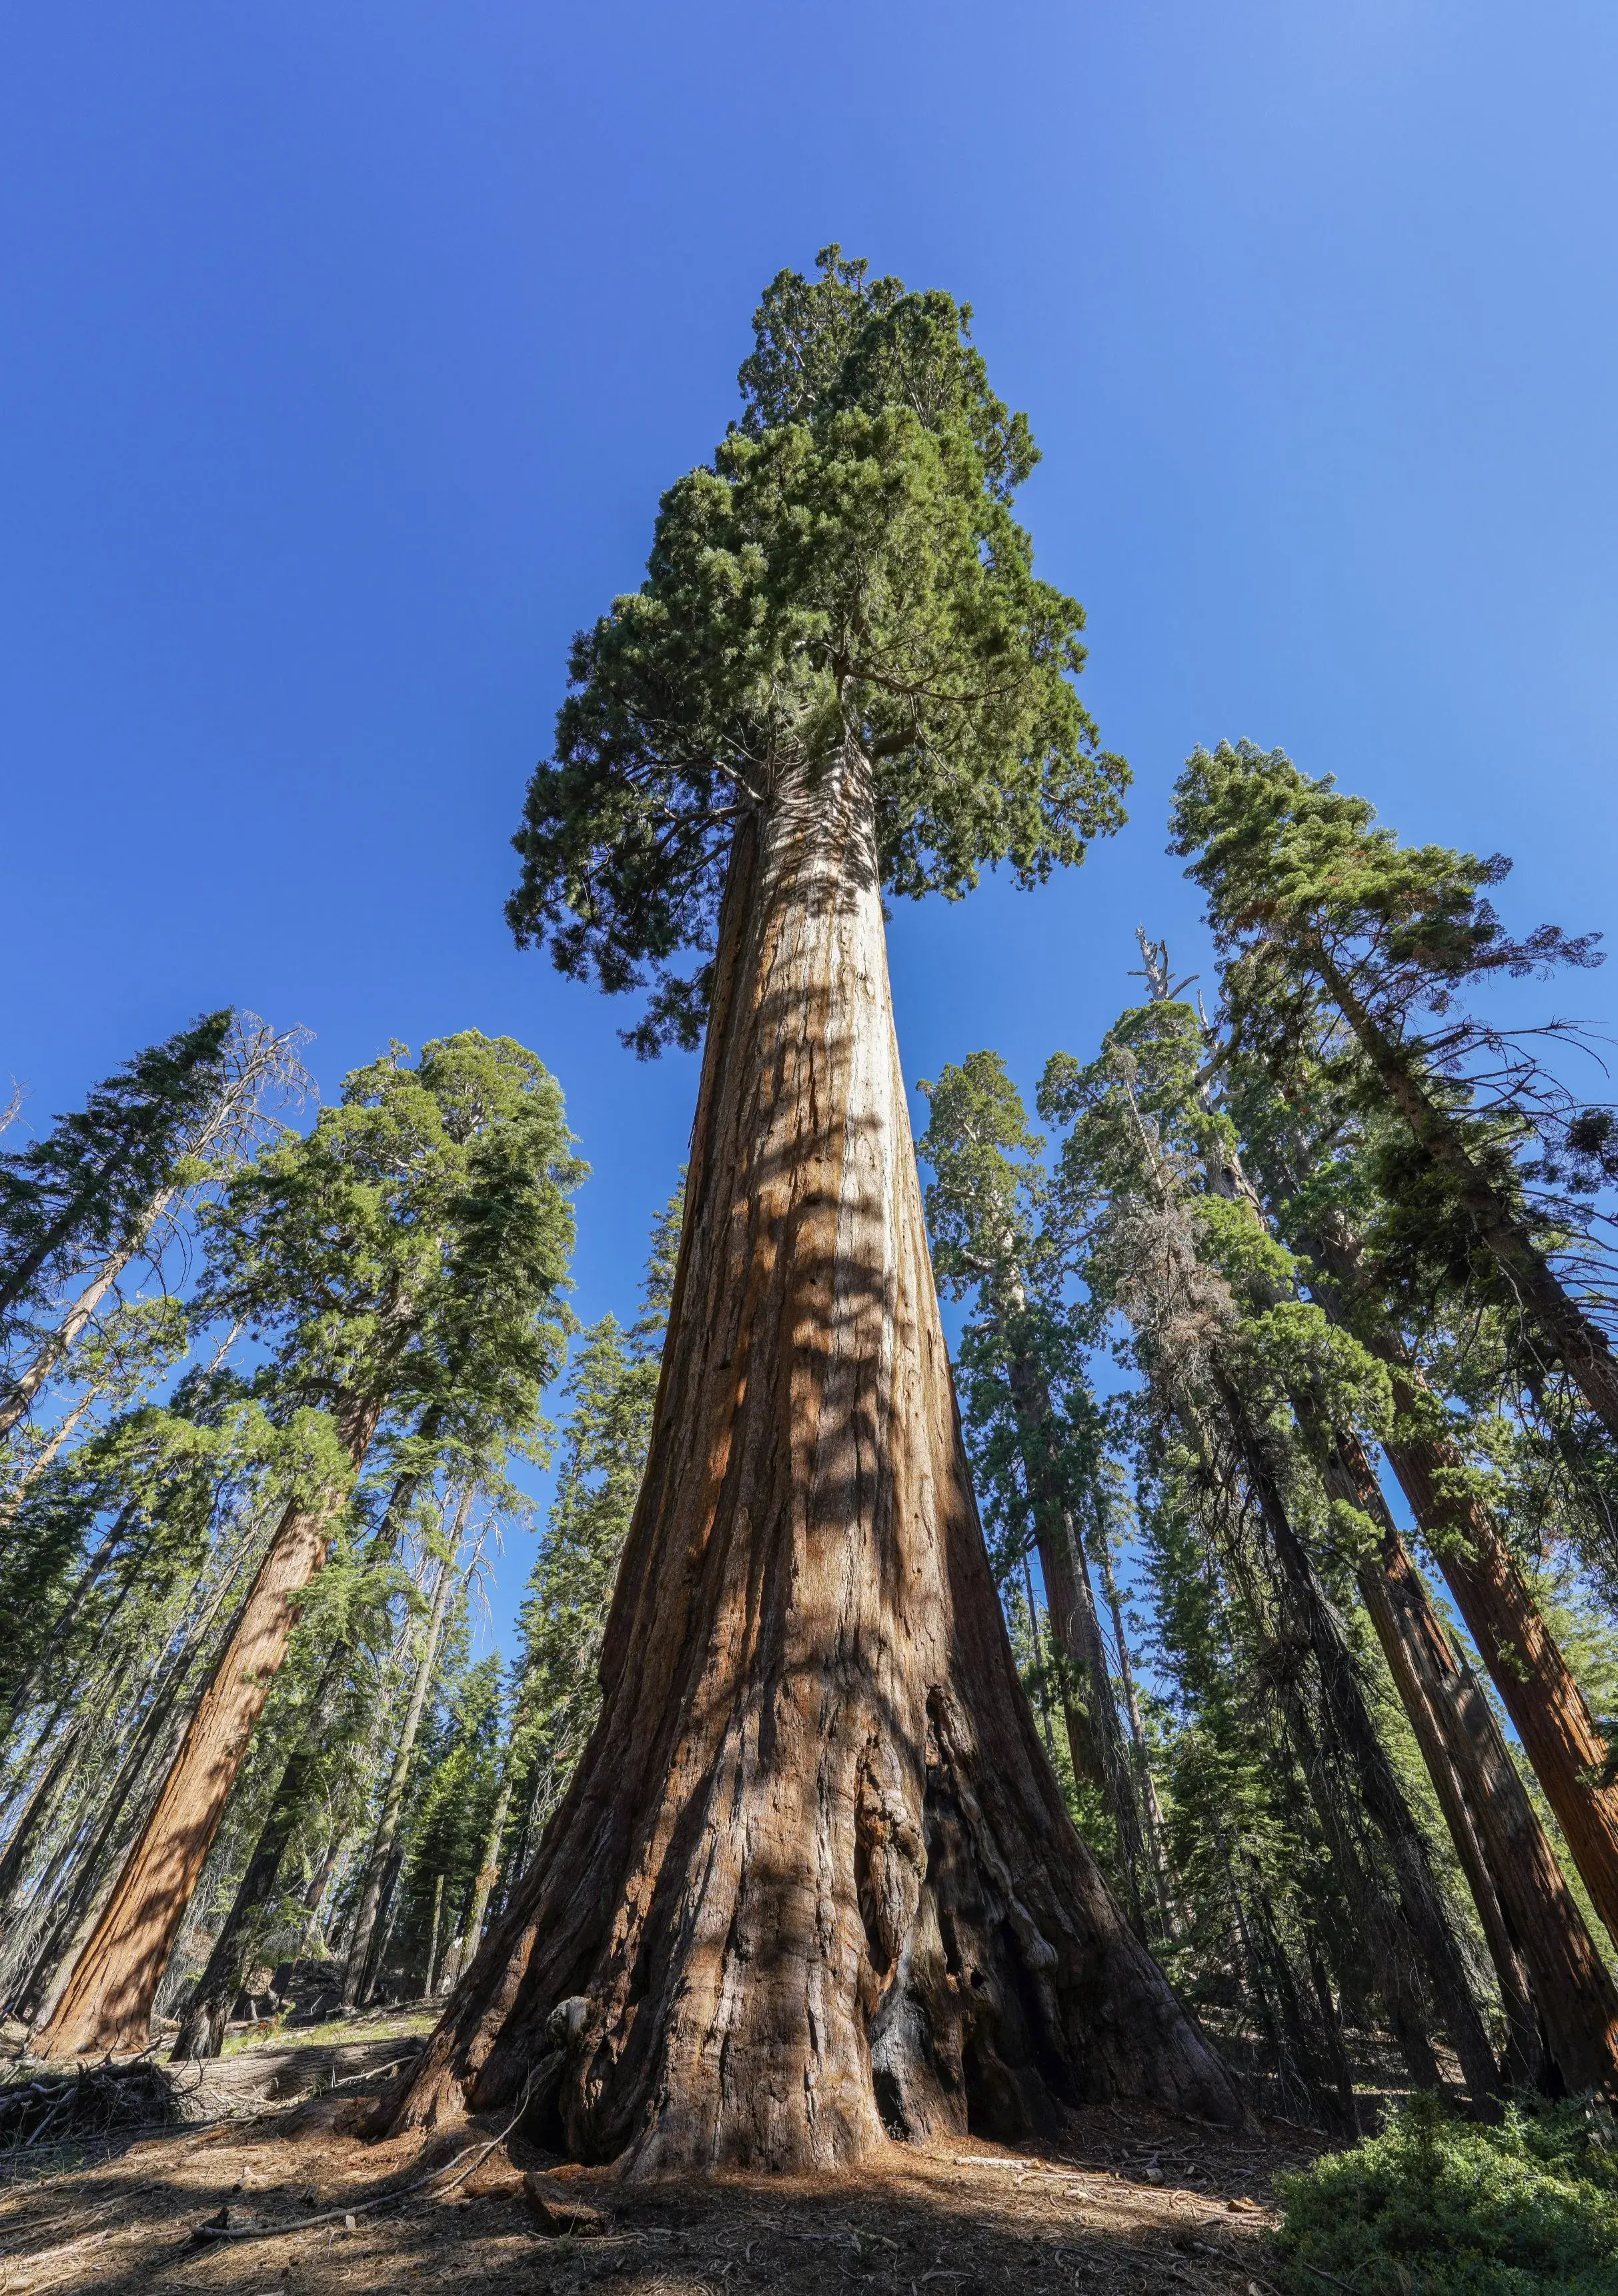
(1142,2202)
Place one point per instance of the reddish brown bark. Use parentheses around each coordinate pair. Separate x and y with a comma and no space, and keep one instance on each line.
(1557,1991)
(813,1880)
(106,2003)
(1545,1703)
(1546,1707)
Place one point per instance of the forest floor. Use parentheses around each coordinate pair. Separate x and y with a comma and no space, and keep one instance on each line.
(1136,2202)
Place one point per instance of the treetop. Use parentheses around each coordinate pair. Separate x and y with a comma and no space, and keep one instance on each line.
(1298,872)
(845,569)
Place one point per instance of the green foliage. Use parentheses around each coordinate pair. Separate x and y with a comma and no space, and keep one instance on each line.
(1031,1425)
(845,569)
(611,1392)
(1434,2207)
(453,1786)
(1297,872)
(413,1249)
(86,1189)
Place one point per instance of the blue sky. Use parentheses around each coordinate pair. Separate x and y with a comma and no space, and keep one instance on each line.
(347,348)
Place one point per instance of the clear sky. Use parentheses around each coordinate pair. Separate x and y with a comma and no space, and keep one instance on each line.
(347,343)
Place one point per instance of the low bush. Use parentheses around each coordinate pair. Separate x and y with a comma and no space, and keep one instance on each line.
(1439,2207)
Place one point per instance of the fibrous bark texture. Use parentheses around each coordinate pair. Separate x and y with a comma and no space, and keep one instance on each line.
(1558,1996)
(813,1882)
(107,2002)
(1537,1688)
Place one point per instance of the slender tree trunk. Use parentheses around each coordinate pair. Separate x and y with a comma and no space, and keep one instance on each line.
(1037,1640)
(1546,1707)
(432,1943)
(202,2027)
(59,1344)
(1169,1908)
(812,1879)
(26,1911)
(1315,2044)
(41,1460)
(61,1626)
(1312,1619)
(1544,1956)
(1094,1738)
(392,1892)
(16,1280)
(1579,1344)
(488,1864)
(107,2001)
(398,1777)
(40,1809)
(1070,1606)
(320,1882)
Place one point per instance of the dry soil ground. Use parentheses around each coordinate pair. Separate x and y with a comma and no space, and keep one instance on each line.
(1139,2204)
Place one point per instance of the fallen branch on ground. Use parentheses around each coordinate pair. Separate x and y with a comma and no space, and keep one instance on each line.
(214,2230)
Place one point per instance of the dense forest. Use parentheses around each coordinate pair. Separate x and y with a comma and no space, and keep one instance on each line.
(1216,1712)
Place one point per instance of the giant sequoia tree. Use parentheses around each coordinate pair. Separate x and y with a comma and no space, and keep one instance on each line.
(814,1878)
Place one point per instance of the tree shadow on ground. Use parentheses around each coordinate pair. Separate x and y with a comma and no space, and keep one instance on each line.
(1139,2201)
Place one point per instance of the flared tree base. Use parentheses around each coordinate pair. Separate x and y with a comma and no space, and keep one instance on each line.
(814,1883)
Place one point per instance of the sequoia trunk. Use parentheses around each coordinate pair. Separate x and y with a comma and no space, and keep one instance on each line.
(1547,1709)
(1546,1705)
(1558,1994)
(813,1881)
(107,2002)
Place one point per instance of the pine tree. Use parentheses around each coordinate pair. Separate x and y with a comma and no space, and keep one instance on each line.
(1306,890)
(106,1184)
(1182,1258)
(410,1252)
(1327,1176)
(1034,1429)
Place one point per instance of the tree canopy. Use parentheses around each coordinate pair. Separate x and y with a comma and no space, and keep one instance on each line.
(847,567)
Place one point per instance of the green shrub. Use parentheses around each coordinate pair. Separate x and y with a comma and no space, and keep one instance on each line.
(1436,2206)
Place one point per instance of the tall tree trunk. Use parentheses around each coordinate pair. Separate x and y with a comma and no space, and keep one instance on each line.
(432,1942)
(87,1880)
(208,2013)
(398,1777)
(1546,1707)
(21,1695)
(107,2002)
(1544,1956)
(488,1864)
(202,2027)
(1577,1342)
(27,1908)
(1170,1911)
(812,1879)
(1095,1739)
(1311,1618)
(12,1500)
(57,1345)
